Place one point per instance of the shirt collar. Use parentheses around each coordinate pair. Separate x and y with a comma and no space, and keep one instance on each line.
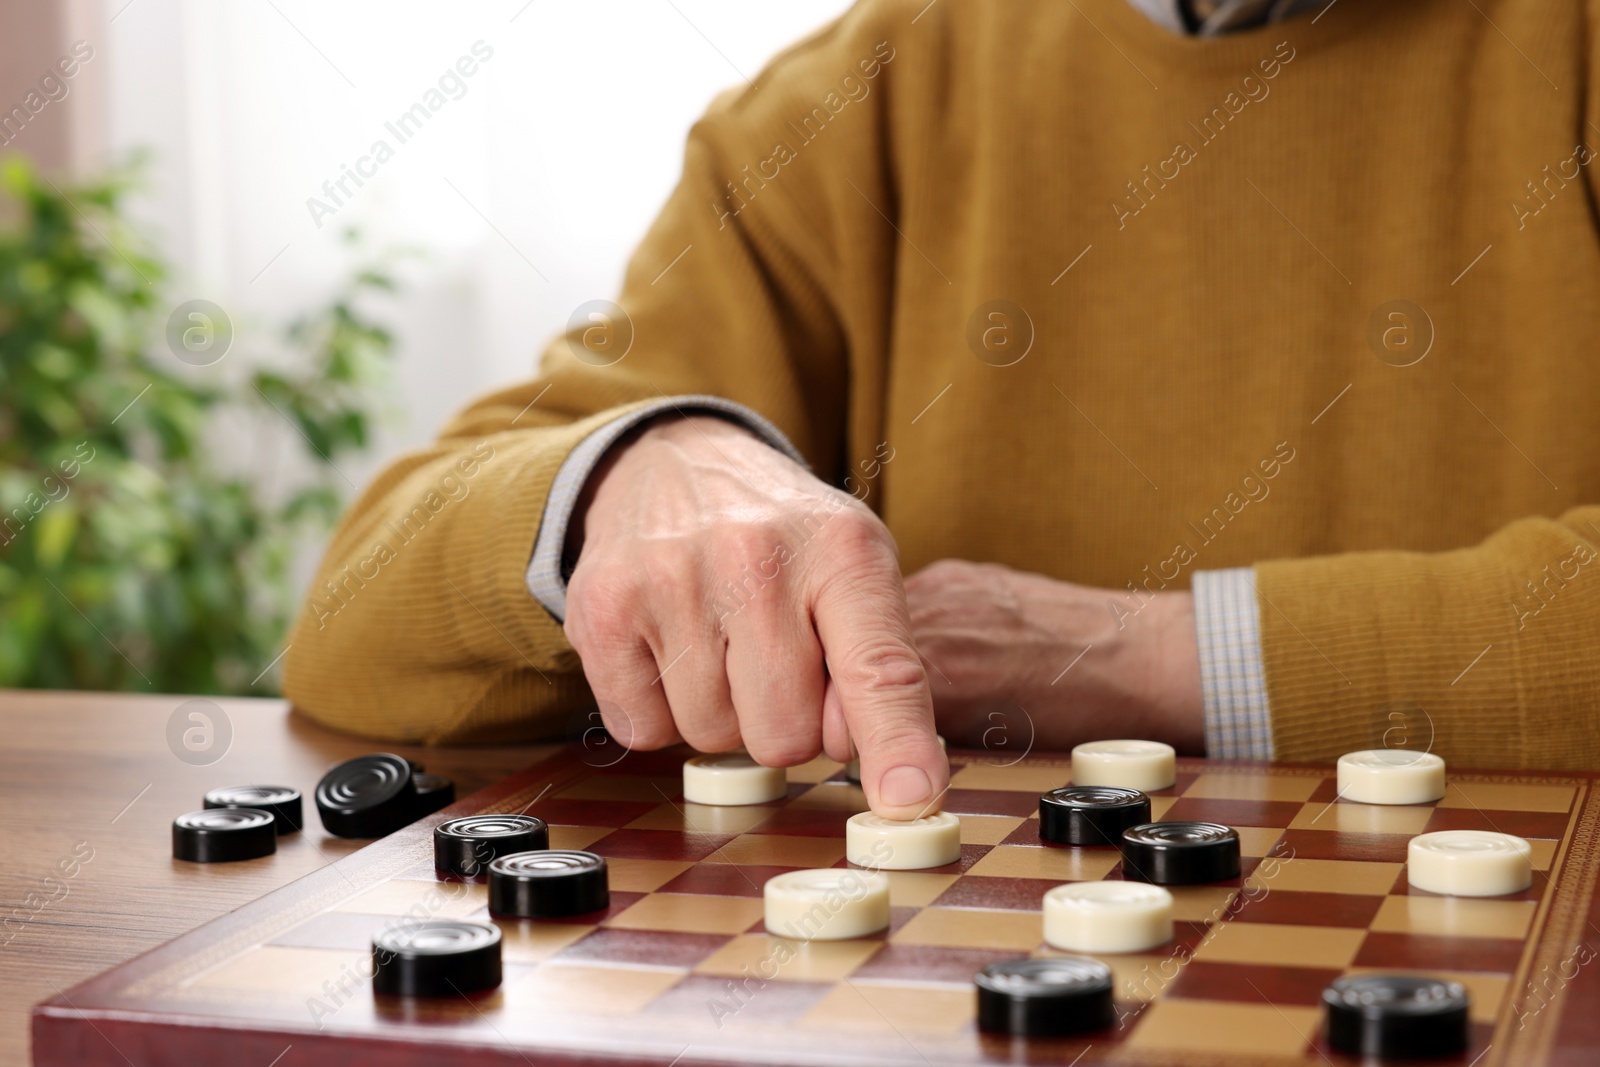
(1212,18)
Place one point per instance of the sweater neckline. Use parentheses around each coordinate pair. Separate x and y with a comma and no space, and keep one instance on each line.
(1142,40)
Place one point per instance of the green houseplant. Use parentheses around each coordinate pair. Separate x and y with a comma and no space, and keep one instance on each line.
(128,558)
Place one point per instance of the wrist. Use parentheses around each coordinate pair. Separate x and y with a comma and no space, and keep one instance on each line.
(1175,673)
(669,430)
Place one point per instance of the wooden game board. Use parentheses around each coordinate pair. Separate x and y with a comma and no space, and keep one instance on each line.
(665,975)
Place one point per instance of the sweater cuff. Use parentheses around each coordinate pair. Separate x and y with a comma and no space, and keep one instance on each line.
(545,580)
(1233,681)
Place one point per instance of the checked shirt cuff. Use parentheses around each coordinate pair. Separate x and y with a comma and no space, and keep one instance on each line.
(1233,680)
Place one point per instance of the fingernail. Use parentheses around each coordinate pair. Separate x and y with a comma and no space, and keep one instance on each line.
(904,786)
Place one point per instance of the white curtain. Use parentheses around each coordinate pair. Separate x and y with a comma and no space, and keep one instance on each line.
(547,136)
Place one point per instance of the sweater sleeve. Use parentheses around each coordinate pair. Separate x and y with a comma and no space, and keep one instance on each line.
(546,581)
(1486,655)
(419,625)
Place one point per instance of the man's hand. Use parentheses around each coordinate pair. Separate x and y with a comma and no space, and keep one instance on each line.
(1007,652)
(724,596)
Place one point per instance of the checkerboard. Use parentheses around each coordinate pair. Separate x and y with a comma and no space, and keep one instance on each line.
(679,970)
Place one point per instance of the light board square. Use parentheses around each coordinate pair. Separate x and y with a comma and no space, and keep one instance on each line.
(1018,779)
(525,941)
(291,971)
(891,1008)
(817,770)
(1189,1026)
(690,914)
(915,889)
(1282,944)
(1037,861)
(1349,818)
(1201,903)
(643,876)
(579,837)
(988,829)
(1455,916)
(973,928)
(1258,840)
(556,988)
(833,796)
(1507,796)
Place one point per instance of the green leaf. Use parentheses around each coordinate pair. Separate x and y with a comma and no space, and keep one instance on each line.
(57,526)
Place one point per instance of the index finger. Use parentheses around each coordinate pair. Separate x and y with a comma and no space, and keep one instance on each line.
(865,633)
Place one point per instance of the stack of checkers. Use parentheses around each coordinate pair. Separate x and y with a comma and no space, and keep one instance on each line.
(239,822)
(373,796)
(369,796)
(526,881)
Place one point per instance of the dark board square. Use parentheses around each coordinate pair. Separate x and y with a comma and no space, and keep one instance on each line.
(633,783)
(1543,824)
(659,845)
(1011,894)
(1233,812)
(930,963)
(1252,983)
(804,822)
(1338,845)
(724,880)
(648,948)
(1326,792)
(662,763)
(1426,952)
(1304,909)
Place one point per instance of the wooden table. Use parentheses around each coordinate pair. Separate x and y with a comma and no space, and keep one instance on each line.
(97,768)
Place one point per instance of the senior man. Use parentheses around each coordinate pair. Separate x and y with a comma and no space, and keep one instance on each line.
(1218,373)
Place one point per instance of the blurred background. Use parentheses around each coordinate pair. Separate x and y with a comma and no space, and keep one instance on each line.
(250,251)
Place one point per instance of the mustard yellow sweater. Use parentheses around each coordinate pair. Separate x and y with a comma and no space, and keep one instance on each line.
(1322,298)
